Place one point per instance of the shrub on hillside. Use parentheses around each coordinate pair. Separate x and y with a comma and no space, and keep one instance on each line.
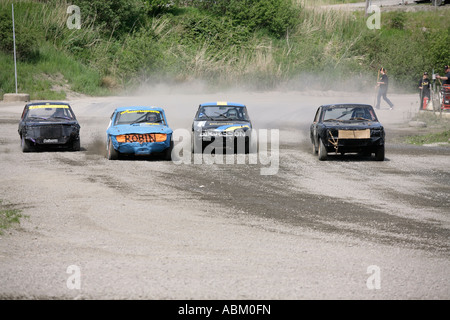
(26,38)
(277,16)
(140,54)
(438,49)
(120,16)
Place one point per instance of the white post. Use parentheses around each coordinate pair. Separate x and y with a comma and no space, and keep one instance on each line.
(14,39)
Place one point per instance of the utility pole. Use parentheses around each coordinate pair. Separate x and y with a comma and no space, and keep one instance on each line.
(14,40)
(367,7)
(8,97)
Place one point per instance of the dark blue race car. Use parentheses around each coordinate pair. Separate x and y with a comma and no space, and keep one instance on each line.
(347,128)
(139,130)
(223,126)
(49,125)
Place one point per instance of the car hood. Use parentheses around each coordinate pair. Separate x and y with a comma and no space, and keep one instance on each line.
(221,125)
(352,125)
(138,129)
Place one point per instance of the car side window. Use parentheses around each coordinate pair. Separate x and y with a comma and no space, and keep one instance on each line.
(316,118)
(23,112)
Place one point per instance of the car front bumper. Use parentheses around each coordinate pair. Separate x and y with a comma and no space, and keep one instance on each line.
(353,145)
(137,148)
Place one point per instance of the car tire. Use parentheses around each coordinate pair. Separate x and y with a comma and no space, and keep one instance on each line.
(379,153)
(168,152)
(197,144)
(76,145)
(323,154)
(25,145)
(247,146)
(314,148)
(112,154)
(253,143)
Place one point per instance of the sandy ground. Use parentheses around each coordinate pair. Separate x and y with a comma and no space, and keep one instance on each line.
(150,229)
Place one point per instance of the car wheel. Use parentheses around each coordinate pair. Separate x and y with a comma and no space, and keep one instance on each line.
(197,144)
(168,152)
(25,145)
(112,153)
(247,145)
(323,154)
(253,143)
(76,145)
(379,154)
(314,148)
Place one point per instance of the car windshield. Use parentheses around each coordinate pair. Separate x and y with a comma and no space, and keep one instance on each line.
(349,113)
(153,117)
(49,112)
(218,113)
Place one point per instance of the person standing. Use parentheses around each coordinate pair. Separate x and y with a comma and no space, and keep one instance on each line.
(424,86)
(446,78)
(445,88)
(382,85)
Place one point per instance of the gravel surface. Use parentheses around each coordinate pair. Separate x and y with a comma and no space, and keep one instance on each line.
(389,5)
(151,229)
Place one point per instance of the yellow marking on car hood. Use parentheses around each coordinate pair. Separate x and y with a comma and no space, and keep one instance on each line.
(236,127)
(44,106)
(136,111)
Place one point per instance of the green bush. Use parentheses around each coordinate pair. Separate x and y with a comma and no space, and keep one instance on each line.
(398,20)
(277,16)
(140,54)
(220,33)
(157,7)
(438,50)
(26,38)
(113,16)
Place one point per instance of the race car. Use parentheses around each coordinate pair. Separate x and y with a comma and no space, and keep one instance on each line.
(140,131)
(224,126)
(50,125)
(347,128)
(433,2)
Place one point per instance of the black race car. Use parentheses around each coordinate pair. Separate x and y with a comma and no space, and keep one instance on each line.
(433,2)
(50,125)
(222,126)
(347,128)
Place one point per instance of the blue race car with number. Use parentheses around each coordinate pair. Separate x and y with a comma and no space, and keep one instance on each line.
(138,130)
(223,125)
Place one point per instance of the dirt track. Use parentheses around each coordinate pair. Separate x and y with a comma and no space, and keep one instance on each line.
(148,229)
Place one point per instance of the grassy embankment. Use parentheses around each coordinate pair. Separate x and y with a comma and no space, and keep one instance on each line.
(437,130)
(429,138)
(322,49)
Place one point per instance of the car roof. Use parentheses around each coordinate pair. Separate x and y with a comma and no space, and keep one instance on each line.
(47,103)
(133,108)
(327,106)
(222,103)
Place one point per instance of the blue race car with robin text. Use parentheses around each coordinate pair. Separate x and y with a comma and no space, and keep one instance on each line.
(139,130)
